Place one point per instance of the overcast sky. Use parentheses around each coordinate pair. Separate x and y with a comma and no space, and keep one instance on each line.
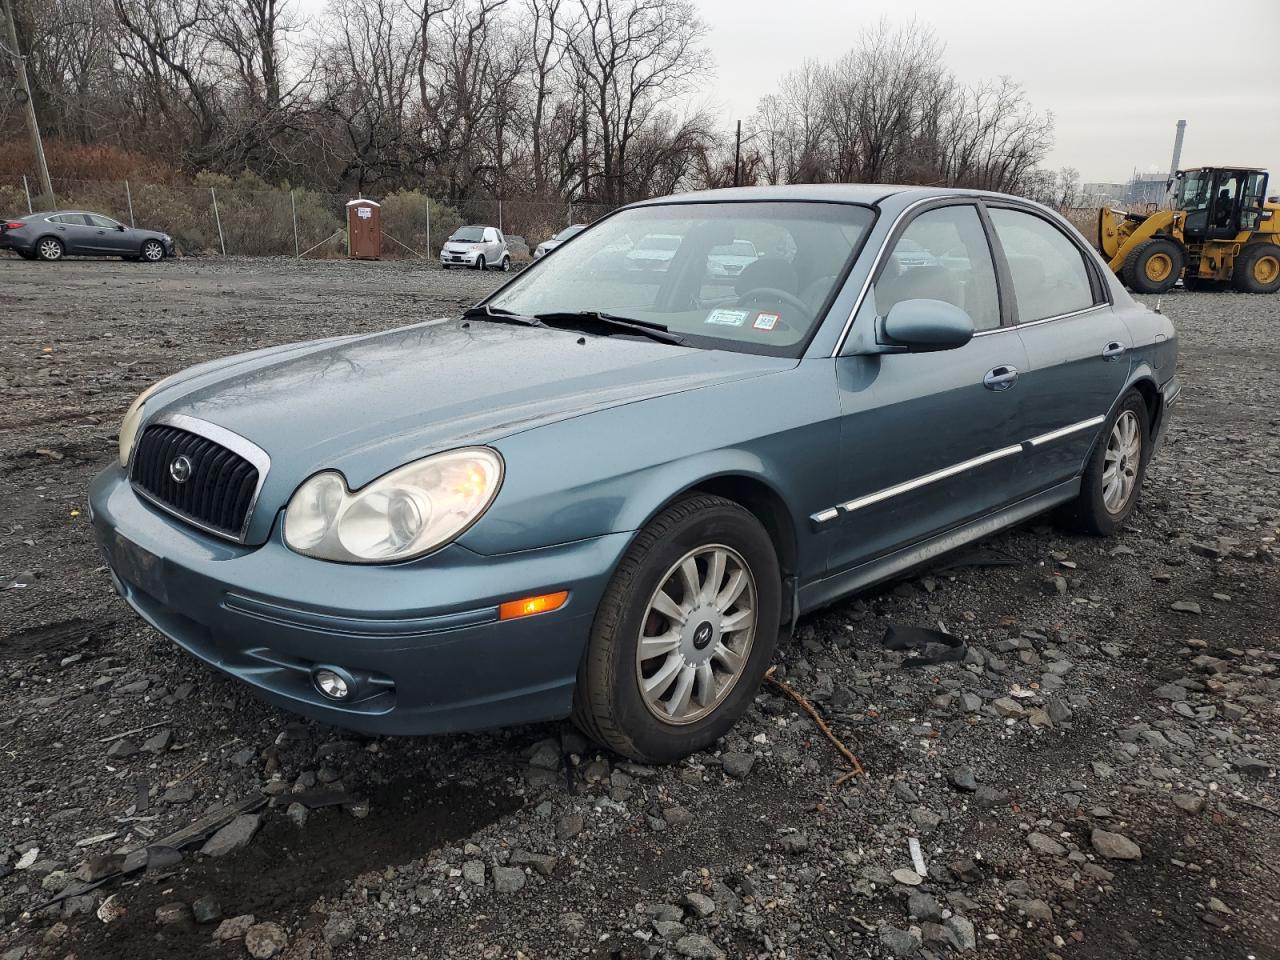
(1117,74)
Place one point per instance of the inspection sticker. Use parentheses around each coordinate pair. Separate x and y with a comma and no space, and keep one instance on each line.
(766,321)
(728,318)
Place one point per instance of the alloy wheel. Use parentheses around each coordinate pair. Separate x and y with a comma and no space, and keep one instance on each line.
(1121,462)
(152,251)
(50,250)
(696,635)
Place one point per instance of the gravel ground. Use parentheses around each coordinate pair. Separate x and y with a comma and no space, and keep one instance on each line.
(1096,779)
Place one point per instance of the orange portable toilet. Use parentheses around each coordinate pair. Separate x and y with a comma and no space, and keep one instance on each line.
(364,229)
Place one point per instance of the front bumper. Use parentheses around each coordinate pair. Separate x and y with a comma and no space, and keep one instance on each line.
(465,259)
(422,639)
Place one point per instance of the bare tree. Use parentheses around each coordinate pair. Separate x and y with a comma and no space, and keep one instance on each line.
(631,58)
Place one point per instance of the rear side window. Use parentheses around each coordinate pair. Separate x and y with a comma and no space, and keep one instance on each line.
(1049,274)
(943,255)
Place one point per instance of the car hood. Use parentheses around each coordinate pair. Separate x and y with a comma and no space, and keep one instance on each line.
(367,404)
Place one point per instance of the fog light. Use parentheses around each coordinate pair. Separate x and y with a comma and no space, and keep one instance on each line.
(331,683)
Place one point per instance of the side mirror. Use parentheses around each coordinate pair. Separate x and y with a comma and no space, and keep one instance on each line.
(925,326)
(121,227)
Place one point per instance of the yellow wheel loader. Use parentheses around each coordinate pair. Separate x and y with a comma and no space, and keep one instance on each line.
(1221,229)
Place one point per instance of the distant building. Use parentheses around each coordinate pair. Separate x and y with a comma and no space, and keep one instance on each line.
(1102,194)
(1146,188)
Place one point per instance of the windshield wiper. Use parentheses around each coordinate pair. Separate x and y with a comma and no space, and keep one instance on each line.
(646,328)
(499,315)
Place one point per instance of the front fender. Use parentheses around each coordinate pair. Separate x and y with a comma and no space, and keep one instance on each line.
(610,471)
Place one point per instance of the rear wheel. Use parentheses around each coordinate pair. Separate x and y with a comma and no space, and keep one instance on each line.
(153,251)
(50,249)
(480,265)
(1257,269)
(683,634)
(1113,477)
(1153,267)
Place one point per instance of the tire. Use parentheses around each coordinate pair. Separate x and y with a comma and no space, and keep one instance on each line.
(1153,267)
(1257,269)
(50,249)
(152,251)
(506,263)
(444,266)
(609,705)
(480,264)
(1096,510)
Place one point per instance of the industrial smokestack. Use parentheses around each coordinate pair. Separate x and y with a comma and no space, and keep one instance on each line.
(1177,158)
(1177,148)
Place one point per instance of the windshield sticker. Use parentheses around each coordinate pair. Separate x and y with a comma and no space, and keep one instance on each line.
(728,318)
(766,321)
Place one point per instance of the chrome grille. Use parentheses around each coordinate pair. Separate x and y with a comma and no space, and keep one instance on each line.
(220,487)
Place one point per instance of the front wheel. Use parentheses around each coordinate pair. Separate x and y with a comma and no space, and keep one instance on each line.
(480,265)
(683,634)
(1113,477)
(50,249)
(506,264)
(153,251)
(1153,267)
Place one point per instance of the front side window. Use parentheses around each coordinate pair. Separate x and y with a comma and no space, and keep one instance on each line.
(755,277)
(943,255)
(97,221)
(1049,274)
(1195,190)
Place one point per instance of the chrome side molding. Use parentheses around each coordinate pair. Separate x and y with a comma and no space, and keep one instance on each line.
(907,486)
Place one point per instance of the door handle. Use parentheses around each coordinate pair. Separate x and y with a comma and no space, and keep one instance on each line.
(1113,350)
(1000,378)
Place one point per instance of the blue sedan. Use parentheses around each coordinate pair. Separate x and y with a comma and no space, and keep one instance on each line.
(606,494)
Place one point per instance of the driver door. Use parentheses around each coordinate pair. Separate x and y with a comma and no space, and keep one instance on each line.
(105,235)
(928,440)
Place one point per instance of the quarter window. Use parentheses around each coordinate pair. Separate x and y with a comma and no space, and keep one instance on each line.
(1049,273)
(943,255)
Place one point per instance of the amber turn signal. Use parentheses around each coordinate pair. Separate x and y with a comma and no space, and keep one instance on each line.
(527,607)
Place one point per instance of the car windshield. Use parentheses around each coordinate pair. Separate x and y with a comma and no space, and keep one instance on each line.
(469,235)
(568,232)
(661,264)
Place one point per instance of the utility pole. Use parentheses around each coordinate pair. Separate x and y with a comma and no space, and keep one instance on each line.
(586,168)
(737,154)
(24,92)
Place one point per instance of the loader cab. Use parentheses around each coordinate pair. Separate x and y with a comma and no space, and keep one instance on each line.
(1220,202)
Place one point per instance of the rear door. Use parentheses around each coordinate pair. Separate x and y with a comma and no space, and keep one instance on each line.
(928,440)
(1077,348)
(73,231)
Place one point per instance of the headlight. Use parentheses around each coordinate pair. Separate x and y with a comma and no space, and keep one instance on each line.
(406,513)
(133,420)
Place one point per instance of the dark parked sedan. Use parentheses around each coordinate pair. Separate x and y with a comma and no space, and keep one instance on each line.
(52,236)
(609,496)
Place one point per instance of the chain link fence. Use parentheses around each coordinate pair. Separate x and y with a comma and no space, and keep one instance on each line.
(221,215)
